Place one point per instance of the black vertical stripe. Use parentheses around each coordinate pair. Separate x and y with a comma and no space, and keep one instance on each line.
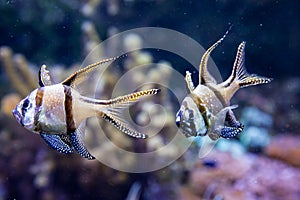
(70,124)
(38,103)
(40,78)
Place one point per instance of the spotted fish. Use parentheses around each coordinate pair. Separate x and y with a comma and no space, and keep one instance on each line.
(206,110)
(58,111)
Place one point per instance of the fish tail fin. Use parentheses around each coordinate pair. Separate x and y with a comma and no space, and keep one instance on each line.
(239,77)
(253,79)
(111,111)
(243,78)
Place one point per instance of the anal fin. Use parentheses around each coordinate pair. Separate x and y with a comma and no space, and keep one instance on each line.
(76,141)
(230,132)
(57,142)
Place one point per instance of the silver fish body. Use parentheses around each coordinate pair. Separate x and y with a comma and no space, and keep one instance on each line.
(47,109)
(197,111)
(206,110)
(57,111)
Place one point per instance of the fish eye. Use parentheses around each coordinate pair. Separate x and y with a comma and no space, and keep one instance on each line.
(26,103)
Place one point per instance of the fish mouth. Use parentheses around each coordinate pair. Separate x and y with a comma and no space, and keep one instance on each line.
(18,116)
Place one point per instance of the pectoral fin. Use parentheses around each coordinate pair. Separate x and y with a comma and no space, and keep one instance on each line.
(57,142)
(76,140)
(234,128)
(219,129)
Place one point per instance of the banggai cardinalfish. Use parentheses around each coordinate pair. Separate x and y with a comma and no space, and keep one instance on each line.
(57,111)
(206,109)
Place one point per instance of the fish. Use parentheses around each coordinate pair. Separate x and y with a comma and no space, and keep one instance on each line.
(206,110)
(57,112)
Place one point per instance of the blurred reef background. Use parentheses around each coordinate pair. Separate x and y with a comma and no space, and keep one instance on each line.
(262,163)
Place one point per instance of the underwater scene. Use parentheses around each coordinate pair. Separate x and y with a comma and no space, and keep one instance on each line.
(150,99)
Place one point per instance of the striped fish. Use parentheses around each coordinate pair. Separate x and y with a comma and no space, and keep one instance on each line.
(206,110)
(57,111)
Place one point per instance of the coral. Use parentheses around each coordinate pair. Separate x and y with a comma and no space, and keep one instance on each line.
(9,102)
(18,71)
(255,138)
(185,193)
(91,40)
(256,117)
(285,148)
(232,146)
(88,9)
(246,177)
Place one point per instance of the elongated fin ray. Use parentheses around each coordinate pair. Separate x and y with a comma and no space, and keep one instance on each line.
(122,126)
(57,142)
(204,76)
(44,77)
(76,139)
(79,75)
(126,100)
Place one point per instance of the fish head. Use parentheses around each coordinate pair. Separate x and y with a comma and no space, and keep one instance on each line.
(190,120)
(25,111)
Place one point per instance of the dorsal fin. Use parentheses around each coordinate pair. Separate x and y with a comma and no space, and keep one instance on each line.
(79,75)
(204,76)
(44,77)
(189,82)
